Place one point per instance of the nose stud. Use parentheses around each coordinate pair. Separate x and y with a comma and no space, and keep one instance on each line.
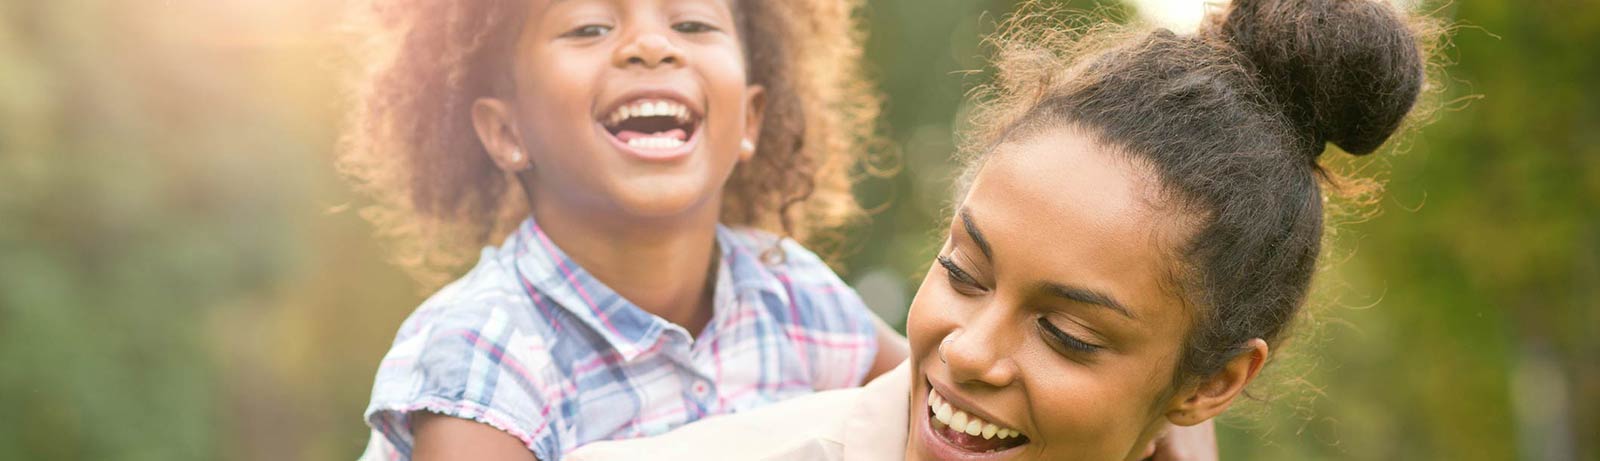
(941,349)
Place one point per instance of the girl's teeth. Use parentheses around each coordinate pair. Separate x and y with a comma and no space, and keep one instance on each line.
(655,143)
(650,109)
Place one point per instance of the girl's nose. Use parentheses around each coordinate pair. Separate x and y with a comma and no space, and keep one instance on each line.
(649,49)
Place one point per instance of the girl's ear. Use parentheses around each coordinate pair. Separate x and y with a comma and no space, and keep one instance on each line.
(492,119)
(1198,402)
(755,97)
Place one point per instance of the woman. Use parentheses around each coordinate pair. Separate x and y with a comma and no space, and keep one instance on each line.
(1137,228)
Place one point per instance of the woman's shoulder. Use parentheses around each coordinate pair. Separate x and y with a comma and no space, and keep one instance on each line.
(866,422)
(764,433)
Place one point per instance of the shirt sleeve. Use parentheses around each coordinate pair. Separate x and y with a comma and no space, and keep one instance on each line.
(469,363)
(837,329)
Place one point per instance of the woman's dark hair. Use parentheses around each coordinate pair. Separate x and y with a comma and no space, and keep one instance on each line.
(1232,120)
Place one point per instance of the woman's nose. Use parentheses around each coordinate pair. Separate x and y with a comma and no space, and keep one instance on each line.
(978,354)
(649,49)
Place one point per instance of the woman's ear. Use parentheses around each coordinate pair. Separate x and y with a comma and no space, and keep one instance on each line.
(1198,402)
(493,121)
(755,97)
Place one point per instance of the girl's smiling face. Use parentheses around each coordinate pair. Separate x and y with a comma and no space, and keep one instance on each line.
(1048,312)
(637,107)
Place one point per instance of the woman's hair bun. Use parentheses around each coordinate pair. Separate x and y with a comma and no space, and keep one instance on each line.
(1344,71)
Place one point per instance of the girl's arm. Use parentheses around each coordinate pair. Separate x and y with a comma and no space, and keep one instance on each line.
(892,349)
(444,438)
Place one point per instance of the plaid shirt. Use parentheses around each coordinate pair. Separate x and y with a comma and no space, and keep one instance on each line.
(531,344)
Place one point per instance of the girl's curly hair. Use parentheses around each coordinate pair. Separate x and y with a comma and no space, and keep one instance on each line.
(410,144)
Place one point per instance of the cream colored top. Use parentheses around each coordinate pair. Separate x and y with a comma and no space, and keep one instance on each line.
(861,424)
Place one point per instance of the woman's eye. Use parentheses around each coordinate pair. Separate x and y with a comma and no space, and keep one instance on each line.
(959,278)
(1065,339)
(693,27)
(592,30)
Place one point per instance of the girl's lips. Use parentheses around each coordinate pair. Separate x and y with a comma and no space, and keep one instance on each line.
(664,147)
(652,123)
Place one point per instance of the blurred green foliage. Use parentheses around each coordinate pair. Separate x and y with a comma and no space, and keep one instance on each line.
(182,277)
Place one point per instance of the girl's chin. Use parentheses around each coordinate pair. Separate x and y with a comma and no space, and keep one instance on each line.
(665,197)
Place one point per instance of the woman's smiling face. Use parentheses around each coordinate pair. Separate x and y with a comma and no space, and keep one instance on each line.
(1049,312)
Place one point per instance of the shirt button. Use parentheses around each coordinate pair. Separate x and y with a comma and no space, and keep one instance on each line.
(701,389)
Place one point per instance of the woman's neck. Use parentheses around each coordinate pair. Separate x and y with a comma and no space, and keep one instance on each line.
(665,266)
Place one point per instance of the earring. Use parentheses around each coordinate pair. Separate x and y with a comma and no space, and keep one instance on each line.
(747,145)
(516,155)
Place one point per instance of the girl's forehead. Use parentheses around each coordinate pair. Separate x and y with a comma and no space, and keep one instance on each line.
(732,4)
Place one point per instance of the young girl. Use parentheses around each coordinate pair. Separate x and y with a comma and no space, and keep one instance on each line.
(608,141)
(1138,225)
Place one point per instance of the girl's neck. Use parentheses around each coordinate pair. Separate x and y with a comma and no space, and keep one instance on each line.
(665,266)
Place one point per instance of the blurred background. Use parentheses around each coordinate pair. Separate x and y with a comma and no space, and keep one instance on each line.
(183,276)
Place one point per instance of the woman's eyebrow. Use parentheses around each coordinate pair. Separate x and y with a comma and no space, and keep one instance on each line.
(1082,295)
(972,230)
(1087,296)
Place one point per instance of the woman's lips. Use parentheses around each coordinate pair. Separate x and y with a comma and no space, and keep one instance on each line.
(974,439)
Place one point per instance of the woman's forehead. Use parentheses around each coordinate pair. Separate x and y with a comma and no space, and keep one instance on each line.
(1059,207)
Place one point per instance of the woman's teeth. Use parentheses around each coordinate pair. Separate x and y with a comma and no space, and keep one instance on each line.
(959,420)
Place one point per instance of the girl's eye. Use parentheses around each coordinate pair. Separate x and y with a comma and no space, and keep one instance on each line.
(1066,340)
(591,30)
(959,278)
(693,27)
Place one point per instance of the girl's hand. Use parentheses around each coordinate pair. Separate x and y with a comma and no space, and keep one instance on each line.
(892,350)
(1193,443)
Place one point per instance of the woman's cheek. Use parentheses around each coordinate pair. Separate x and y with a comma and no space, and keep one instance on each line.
(1099,417)
(926,323)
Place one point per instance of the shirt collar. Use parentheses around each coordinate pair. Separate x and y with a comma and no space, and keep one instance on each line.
(742,259)
(551,278)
